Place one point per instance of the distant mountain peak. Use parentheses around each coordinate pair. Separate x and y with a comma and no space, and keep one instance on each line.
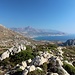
(32,32)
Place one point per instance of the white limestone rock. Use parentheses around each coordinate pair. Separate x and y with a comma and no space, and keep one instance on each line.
(31,68)
(24,65)
(4,55)
(22,47)
(38,68)
(64,71)
(27,67)
(29,61)
(25,72)
(68,62)
(39,60)
(54,74)
(13,50)
(59,61)
(59,48)
(19,49)
(47,55)
(22,68)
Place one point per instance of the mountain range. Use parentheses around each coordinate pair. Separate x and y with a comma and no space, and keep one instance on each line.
(9,37)
(33,32)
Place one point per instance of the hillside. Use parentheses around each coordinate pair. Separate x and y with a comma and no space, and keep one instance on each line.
(33,32)
(9,37)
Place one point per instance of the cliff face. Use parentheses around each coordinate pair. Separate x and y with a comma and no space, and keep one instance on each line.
(70,42)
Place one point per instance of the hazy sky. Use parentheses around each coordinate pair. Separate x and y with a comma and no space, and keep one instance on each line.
(46,14)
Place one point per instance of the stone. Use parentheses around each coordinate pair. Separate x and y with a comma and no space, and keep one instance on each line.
(27,67)
(22,68)
(24,65)
(47,55)
(29,61)
(31,68)
(59,61)
(25,72)
(64,71)
(22,47)
(54,74)
(4,55)
(39,60)
(13,50)
(38,68)
(68,62)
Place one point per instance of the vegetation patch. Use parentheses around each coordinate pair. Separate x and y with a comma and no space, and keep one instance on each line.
(36,72)
(69,68)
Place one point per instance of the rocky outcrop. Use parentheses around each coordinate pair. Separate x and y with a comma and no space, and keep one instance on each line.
(23,65)
(13,50)
(70,42)
(31,68)
(43,57)
(54,63)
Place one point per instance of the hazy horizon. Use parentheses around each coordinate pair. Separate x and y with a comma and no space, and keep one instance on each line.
(42,14)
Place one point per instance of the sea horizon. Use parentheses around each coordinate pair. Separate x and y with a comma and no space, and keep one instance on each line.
(61,38)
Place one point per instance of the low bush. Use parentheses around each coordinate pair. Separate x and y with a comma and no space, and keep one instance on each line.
(36,72)
(21,56)
(69,68)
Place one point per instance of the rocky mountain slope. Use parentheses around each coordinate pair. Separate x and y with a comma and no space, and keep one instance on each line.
(70,42)
(21,57)
(9,37)
(40,60)
(32,32)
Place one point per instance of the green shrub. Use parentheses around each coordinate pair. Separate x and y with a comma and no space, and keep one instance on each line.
(36,72)
(21,56)
(44,67)
(69,68)
(5,62)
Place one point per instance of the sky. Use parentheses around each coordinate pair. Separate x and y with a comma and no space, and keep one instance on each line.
(41,14)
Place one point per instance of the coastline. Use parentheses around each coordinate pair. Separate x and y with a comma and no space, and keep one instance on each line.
(61,38)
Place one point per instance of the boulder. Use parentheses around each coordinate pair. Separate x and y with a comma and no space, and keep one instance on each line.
(25,72)
(60,63)
(24,65)
(39,60)
(13,50)
(47,55)
(38,68)
(63,71)
(22,47)
(4,55)
(68,62)
(31,68)
(29,61)
(54,74)
(27,67)
(22,68)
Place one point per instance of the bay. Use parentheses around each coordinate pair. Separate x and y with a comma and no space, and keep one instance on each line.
(62,38)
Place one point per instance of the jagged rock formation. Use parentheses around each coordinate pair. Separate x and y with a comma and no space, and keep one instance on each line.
(70,42)
(48,58)
(13,50)
(54,64)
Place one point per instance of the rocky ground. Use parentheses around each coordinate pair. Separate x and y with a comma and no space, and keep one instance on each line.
(36,60)
(23,56)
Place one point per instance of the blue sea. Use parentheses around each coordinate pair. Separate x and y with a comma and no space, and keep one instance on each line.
(56,38)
